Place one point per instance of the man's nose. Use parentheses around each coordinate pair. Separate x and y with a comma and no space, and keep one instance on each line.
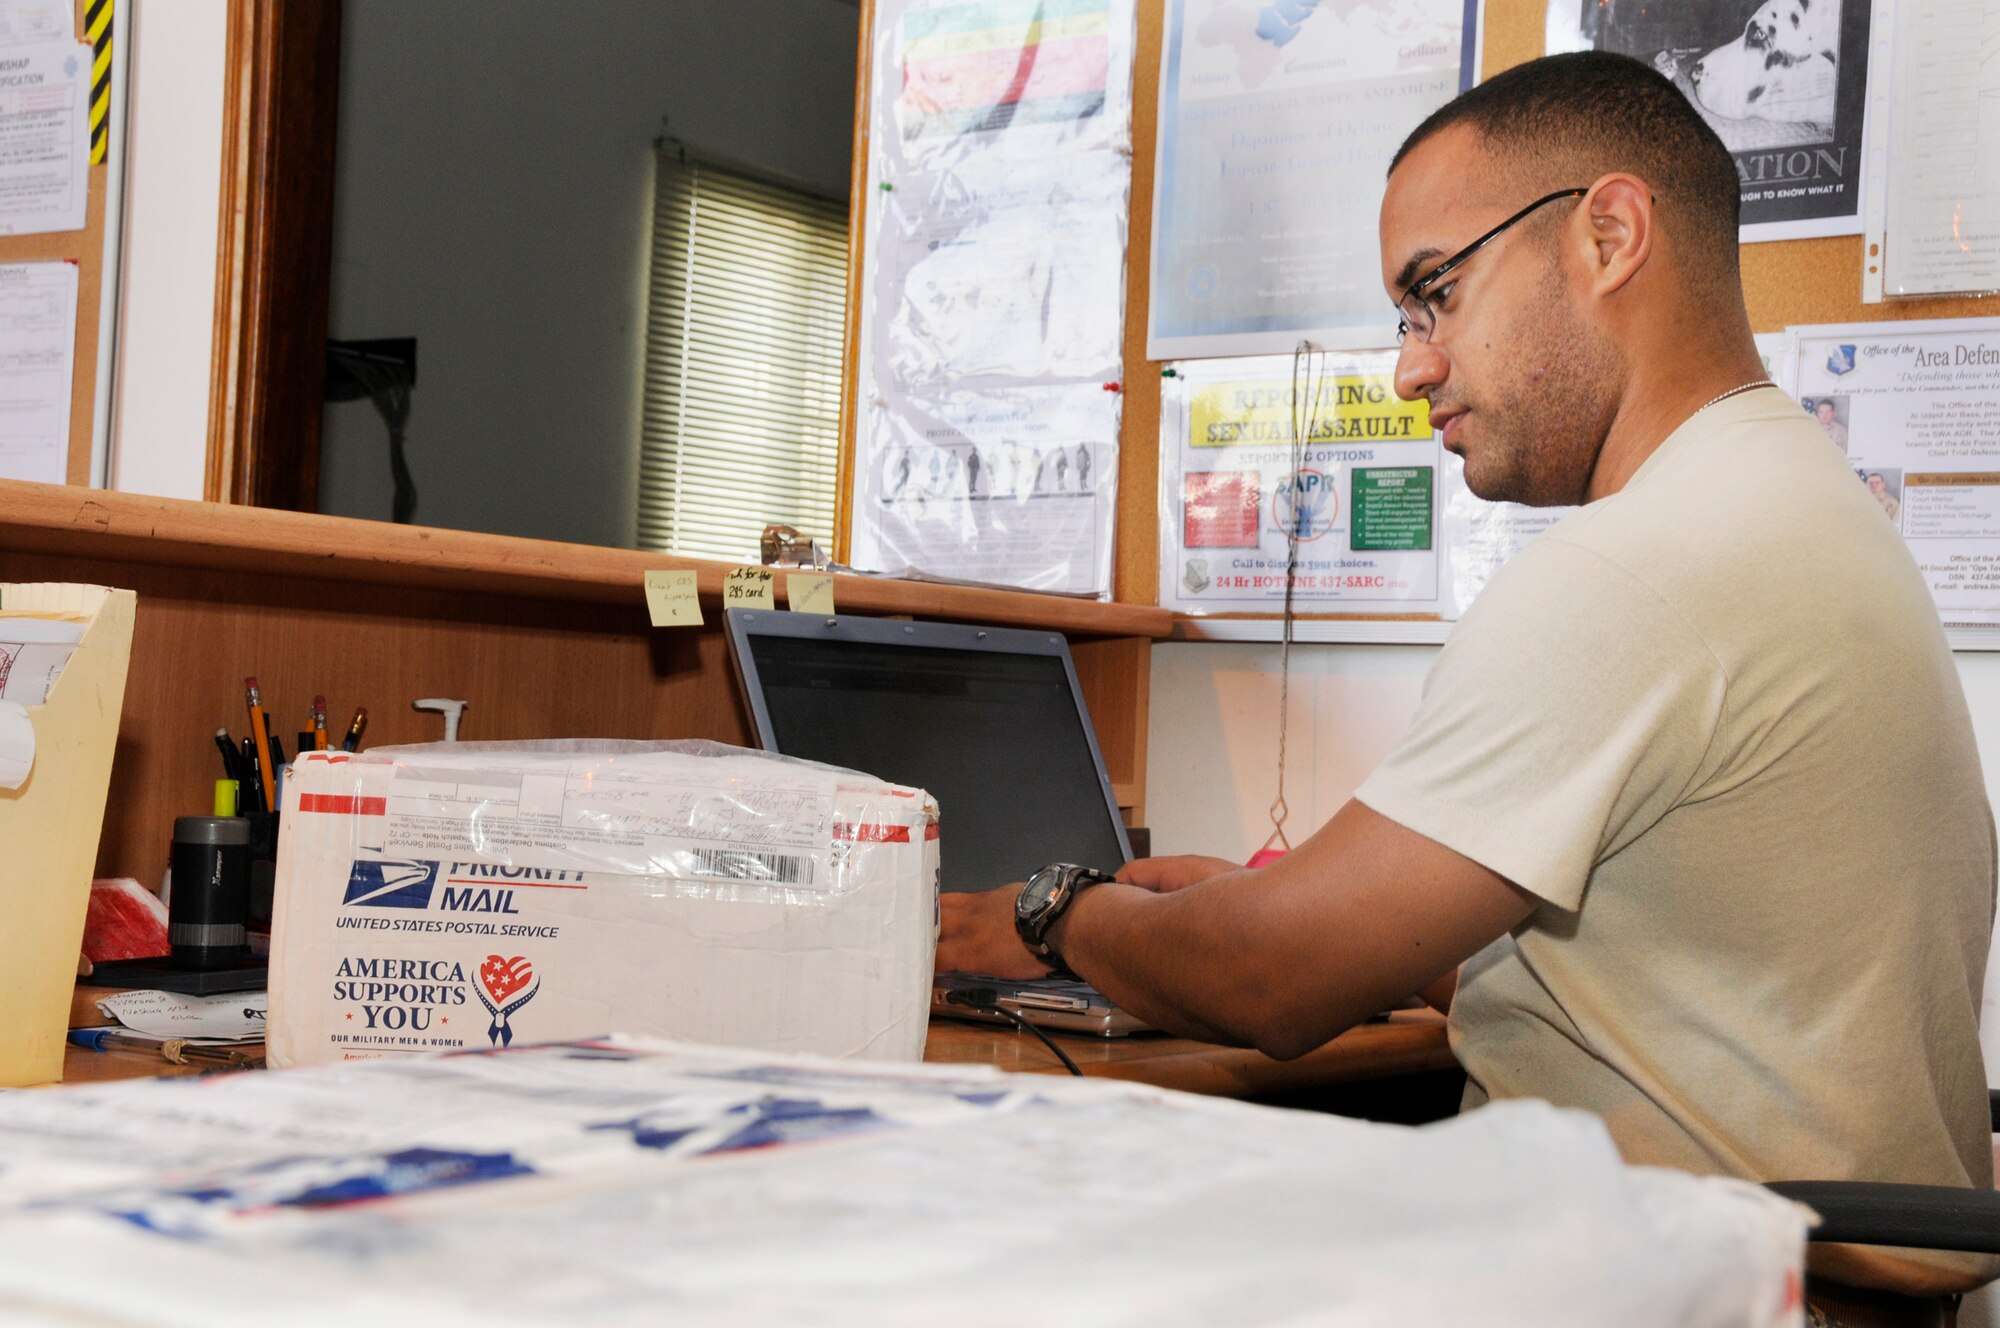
(1420,367)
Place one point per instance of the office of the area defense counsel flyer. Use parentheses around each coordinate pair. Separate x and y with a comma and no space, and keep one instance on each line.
(1358,487)
(1916,407)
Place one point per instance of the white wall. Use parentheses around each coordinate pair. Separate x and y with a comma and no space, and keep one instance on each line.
(166,298)
(493,199)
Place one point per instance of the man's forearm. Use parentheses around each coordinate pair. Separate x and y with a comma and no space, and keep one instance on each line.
(1282,958)
(1207,962)
(1120,938)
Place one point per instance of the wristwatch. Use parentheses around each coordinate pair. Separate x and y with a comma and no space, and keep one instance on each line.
(1046,897)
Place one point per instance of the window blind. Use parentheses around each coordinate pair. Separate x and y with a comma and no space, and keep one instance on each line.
(746,317)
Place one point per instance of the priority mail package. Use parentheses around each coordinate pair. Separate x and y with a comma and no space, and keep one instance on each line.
(460,896)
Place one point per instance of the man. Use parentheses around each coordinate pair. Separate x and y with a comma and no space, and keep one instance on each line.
(1835,430)
(1878,489)
(1690,811)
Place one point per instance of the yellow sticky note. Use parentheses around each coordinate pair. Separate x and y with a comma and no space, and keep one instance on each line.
(806,593)
(750,588)
(671,601)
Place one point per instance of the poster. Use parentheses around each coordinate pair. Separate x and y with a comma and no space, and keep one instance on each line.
(1782,82)
(1277,124)
(993,292)
(1480,536)
(1358,487)
(1916,408)
(44,136)
(1012,486)
(37,358)
(1941,217)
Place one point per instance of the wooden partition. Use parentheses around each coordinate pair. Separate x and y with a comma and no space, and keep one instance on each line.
(541,640)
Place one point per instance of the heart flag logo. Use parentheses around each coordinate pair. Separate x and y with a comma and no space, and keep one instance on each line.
(503,977)
(500,978)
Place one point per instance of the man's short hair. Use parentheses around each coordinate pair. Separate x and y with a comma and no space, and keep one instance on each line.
(1565,120)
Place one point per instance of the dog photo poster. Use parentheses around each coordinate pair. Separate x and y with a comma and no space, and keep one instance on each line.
(1782,82)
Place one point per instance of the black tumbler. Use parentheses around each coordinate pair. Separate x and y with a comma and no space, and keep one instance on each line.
(211,896)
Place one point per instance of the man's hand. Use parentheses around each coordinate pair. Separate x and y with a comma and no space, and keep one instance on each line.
(976,935)
(1164,875)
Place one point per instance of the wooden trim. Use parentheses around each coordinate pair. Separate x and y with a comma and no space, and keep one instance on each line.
(275,246)
(135,528)
(224,372)
(857,225)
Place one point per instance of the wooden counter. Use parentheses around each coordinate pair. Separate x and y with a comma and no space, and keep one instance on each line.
(542,640)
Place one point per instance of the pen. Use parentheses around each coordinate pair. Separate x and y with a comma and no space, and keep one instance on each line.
(352,742)
(178,1051)
(232,760)
(253,788)
(319,723)
(260,734)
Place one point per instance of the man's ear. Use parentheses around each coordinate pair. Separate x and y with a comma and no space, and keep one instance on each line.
(1619,212)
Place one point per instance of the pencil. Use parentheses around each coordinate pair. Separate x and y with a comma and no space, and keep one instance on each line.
(352,742)
(260,733)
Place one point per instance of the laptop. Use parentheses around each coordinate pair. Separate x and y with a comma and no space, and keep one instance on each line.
(990,721)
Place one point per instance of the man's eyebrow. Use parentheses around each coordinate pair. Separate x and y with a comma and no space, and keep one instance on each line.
(1408,272)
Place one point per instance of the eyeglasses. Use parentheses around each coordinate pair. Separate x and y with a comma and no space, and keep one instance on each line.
(1414,304)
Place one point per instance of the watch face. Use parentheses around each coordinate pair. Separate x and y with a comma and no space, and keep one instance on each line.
(1036,893)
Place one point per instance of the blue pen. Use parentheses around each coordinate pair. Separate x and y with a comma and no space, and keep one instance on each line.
(175,1050)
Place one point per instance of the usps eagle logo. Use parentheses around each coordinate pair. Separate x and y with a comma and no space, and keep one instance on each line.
(504,986)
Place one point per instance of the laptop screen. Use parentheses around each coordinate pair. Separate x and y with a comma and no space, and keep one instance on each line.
(989,721)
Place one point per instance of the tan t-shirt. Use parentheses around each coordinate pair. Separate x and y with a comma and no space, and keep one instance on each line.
(1712,723)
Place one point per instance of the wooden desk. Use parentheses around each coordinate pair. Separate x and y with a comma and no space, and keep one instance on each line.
(1408,1043)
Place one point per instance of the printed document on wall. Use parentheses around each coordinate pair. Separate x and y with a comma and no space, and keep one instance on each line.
(1941,217)
(1358,488)
(1012,486)
(37,350)
(1480,536)
(1277,122)
(36,21)
(1916,408)
(993,289)
(44,136)
(1784,84)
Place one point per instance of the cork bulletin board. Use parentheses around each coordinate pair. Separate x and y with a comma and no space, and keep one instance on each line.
(1785,283)
(85,248)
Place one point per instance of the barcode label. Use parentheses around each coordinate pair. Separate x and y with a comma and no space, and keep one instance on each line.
(765,868)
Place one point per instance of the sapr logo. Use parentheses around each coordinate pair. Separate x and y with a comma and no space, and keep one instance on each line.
(391,884)
(505,985)
(1303,505)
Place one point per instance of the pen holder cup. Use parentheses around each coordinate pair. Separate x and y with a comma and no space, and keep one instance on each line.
(49,828)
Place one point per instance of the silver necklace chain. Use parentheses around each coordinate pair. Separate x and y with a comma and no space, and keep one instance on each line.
(1724,396)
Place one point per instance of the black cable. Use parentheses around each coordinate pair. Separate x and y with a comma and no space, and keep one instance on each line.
(984,998)
(389,389)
